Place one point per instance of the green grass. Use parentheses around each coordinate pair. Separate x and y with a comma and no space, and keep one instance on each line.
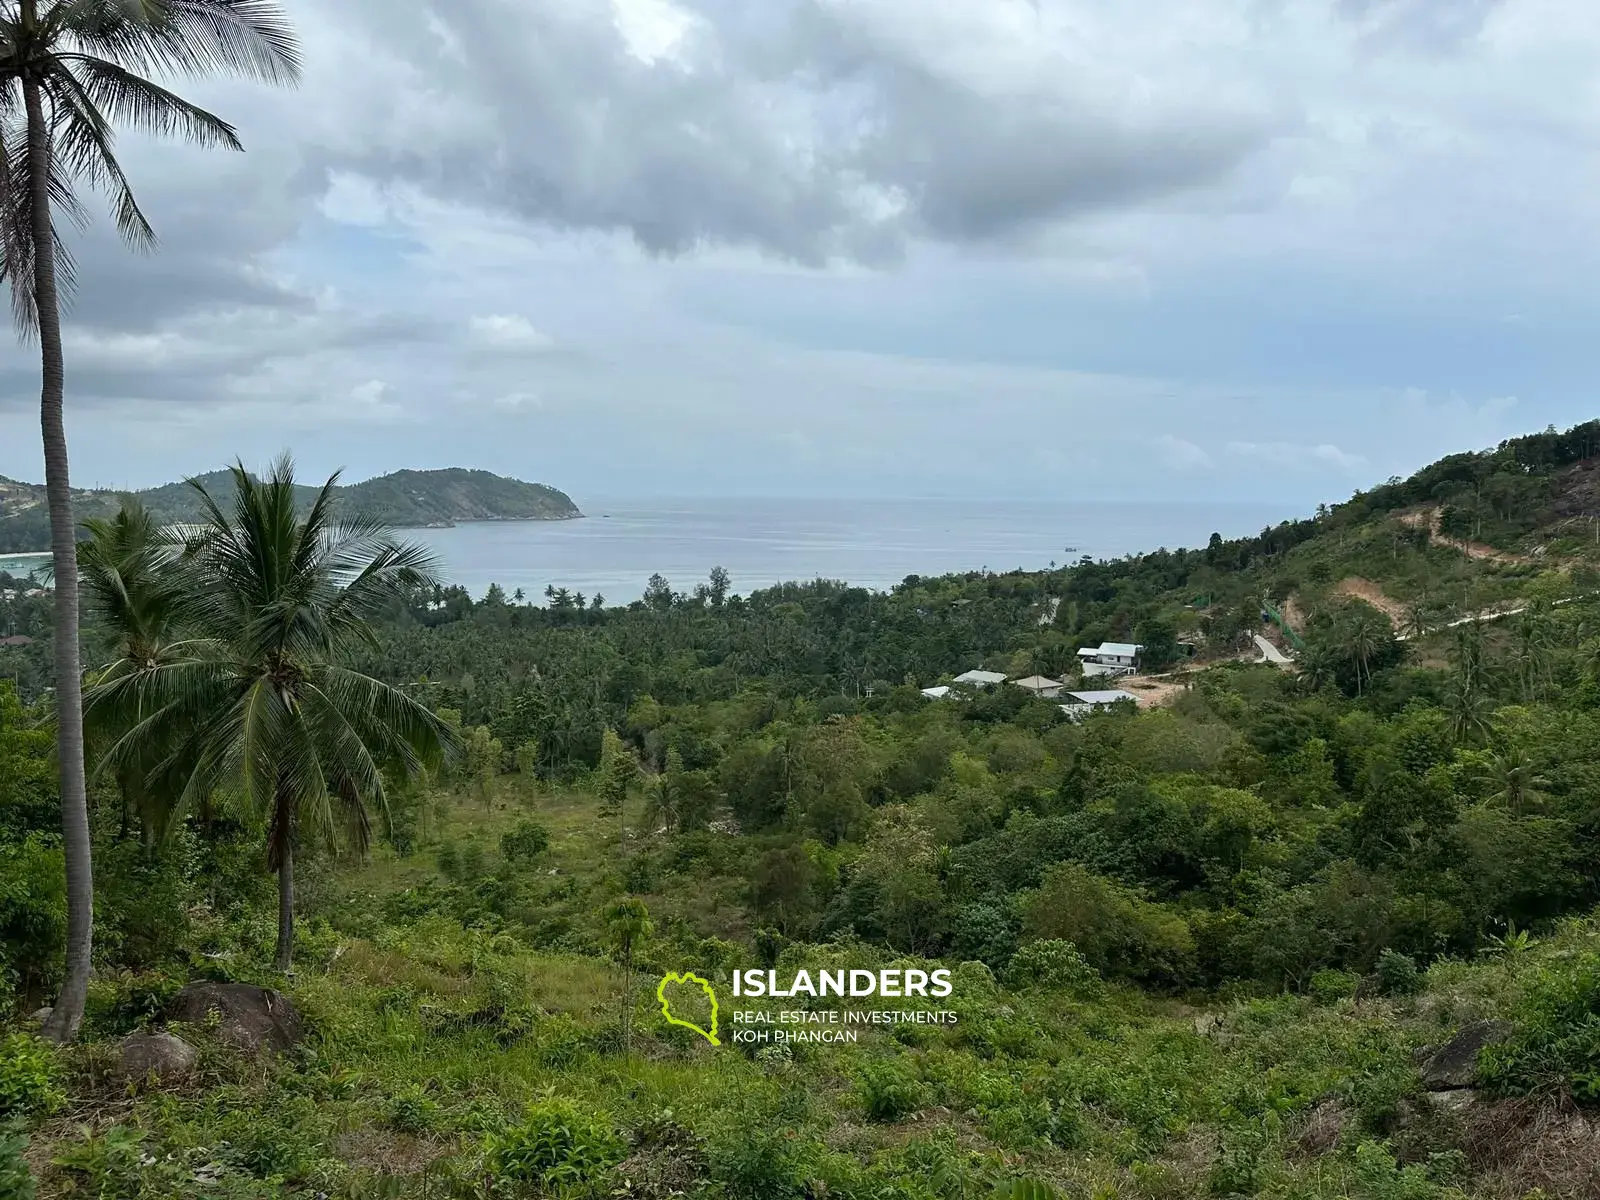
(429,1042)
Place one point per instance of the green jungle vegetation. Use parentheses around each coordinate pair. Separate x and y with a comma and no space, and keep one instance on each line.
(400,499)
(1209,948)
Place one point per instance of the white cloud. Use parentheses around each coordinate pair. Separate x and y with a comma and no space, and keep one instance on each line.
(509,332)
(1182,453)
(1290,453)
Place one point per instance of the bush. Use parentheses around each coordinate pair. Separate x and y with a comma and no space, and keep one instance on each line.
(33,916)
(412,1110)
(1051,963)
(524,843)
(28,1076)
(1556,1046)
(16,1181)
(1397,974)
(557,1148)
(1330,986)
(886,1091)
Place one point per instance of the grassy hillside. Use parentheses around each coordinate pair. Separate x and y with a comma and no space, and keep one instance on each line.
(404,498)
(1316,931)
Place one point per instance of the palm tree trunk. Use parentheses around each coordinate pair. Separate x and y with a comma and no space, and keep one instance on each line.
(285,957)
(67,1013)
(283,842)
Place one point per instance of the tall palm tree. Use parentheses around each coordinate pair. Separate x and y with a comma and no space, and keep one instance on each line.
(70,70)
(260,703)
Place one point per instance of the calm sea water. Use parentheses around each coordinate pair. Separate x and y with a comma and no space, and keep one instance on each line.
(615,548)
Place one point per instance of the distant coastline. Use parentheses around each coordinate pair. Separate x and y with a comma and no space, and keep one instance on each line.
(435,499)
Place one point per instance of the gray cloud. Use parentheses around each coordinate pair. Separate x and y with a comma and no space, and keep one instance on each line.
(812,137)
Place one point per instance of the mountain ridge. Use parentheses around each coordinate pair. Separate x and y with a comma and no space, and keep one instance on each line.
(404,499)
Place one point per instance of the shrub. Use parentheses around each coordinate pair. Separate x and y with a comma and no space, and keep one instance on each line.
(524,843)
(1330,986)
(412,1110)
(28,1076)
(887,1092)
(16,1181)
(557,1148)
(1397,974)
(449,860)
(1556,1045)
(1051,963)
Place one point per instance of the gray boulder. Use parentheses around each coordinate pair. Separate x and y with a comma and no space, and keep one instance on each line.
(162,1056)
(1455,1064)
(249,1018)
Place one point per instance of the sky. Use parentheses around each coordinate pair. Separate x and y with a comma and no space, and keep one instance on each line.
(1057,249)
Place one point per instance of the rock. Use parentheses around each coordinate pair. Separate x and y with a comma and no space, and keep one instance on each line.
(251,1018)
(1454,1065)
(162,1055)
(1207,1024)
(1453,1099)
(1323,1129)
(40,1016)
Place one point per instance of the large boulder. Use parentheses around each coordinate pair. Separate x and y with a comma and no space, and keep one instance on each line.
(1455,1064)
(162,1056)
(249,1018)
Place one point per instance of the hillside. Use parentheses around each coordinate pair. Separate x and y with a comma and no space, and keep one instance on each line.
(1324,930)
(402,499)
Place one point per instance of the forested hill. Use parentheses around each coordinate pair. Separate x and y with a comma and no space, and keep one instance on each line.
(404,498)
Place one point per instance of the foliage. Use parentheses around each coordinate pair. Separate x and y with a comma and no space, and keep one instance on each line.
(16,1181)
(556,1147)
(28,1076)
(1556,1045)
(887,1091)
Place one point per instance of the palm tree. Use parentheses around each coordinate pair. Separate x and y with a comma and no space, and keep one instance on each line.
(1517,782)
(69,70)
(138,588)
(259,703)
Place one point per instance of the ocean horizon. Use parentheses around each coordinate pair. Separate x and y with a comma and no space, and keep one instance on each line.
(619,543)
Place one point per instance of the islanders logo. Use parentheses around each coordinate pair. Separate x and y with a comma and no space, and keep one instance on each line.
(690,979)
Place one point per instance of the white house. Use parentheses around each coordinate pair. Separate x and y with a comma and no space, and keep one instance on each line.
(1041,686)
(1080,704)
(1109,658)
(936,693)
(980,678)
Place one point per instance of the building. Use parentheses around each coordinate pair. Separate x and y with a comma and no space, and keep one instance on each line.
(936,693)
(980,678)
(18,640)
(1039,685)
(1109,658)
(1078,705)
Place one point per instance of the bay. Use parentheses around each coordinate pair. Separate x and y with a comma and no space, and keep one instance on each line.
(615,548)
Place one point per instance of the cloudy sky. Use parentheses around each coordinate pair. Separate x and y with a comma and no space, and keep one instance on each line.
(1247,249)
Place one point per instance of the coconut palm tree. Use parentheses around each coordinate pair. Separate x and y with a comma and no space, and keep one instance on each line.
(137,585)
(259,704)
(70,70)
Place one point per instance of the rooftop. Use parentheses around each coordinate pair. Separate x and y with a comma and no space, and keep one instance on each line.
(1110,697)
(981,677)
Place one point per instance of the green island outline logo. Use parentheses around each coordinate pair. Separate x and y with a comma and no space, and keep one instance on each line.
(666,1005)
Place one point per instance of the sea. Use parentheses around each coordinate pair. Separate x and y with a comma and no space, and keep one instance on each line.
(617,545)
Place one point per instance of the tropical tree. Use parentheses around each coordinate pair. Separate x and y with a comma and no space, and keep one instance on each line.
(1516,779)
(137,587)
(70,70)
(261,704)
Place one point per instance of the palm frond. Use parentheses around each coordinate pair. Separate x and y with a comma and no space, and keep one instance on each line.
(197,38)
(121,95)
